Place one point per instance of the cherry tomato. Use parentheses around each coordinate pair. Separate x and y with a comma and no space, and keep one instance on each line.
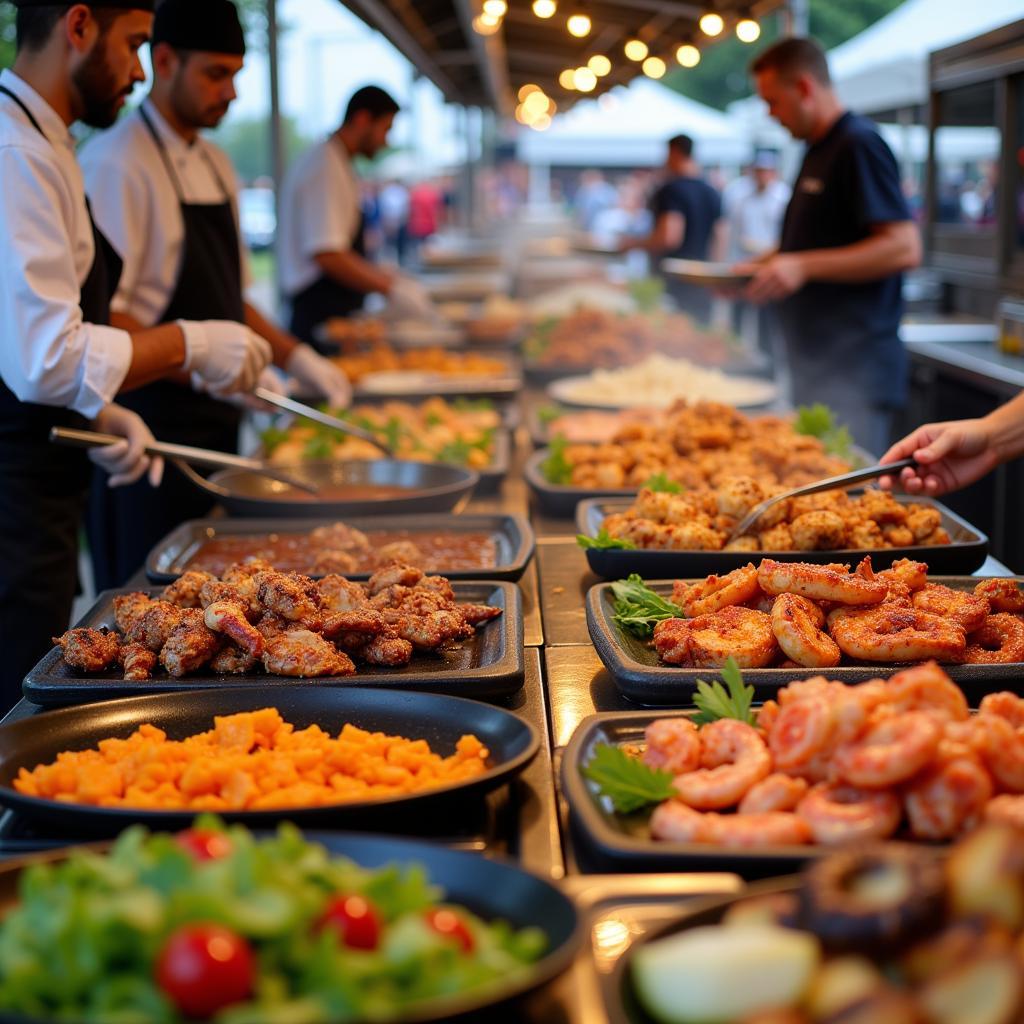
(355,920)
(204,843)
(203,967)
(448,923)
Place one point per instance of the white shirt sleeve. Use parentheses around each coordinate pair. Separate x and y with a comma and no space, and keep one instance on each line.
(326,209)
(48,354)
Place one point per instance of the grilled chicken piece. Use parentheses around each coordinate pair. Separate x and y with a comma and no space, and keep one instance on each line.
(475,614)
(366,621)
(229,618)
(388,649)
(91,650)
(233,661)
(128,609)
(184,591)
(242,591)
(292,596)
(391,575)
(190,646)
(138,662)
(155,624)
(338,594)
(306,654)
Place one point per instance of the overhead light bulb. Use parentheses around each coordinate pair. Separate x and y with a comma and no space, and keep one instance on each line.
(584,79)
(747,30)
(567,79)
(542,123)
(495,8)
(525,91)
(600,65)
(711,24)
(579,25)
(544,8)
(636,49)
(521,116)
(485,25)
(536,104)
(688,55)
(654,67)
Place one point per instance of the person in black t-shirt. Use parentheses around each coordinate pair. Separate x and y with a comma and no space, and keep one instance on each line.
(847,237)
(686,211)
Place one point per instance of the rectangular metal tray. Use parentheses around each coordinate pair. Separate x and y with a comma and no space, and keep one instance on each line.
(503,386)
(964,555)
(488,666)
(513,535)
(640,676)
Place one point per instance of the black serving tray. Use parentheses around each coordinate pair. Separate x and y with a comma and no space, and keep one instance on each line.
(487,666)
(966,553)
(640,676)
(559,500)
(512,534)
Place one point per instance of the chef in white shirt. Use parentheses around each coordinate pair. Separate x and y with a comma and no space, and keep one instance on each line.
(168,201)
(60,364)
(323,266)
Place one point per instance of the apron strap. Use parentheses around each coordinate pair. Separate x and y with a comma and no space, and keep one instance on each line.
(175,180)
(27,112)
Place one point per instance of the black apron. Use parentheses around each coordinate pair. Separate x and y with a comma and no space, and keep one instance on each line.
(43,490)
(124,523)
(326,298)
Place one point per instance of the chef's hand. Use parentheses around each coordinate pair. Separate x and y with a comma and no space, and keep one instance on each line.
(224,355)
(269,379)
(320,376)
(410,300)
(774,278)
(127,460)
(949,455)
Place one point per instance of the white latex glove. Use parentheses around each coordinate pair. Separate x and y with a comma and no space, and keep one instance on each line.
(127,460)
(224,355)
(320,376)
(409,300)
(269,378)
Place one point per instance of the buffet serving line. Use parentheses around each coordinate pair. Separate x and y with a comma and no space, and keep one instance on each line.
(506,606)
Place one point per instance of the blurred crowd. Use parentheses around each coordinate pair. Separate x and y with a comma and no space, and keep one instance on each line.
(400,217)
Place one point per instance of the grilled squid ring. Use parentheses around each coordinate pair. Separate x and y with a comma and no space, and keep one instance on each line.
(999,640)
(895,633)
(967,610)
(797,624)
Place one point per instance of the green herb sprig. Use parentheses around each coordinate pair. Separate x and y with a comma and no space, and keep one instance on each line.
(819,421)
(639,609)
(557,469)
(714,701)
(661,482)
(627,781)
(604,541)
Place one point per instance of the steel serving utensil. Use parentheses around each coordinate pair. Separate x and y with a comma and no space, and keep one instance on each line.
(181,454)
(844,480)
(323,418)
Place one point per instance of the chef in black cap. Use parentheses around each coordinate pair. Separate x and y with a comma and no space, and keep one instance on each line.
(60,362)
(168,200)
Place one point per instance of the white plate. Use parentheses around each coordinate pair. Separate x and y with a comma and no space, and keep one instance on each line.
(422,382)
(751,392)
(704,272)
(414,334)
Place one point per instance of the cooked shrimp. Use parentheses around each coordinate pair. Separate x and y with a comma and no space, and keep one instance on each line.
(1006,809)
(818,582)
(675,822)
(1003,595)
(999,641)
(802,730)
(672,744)
(891,751)
(904,570)
(1004,704)
(734,757)
(717,592)
(775,792)
(968,611)
(818,531)
(927,688)
(893,633)
(1001,747)
(947,798)
(796,623)
(844,814)
(740,633)
(672,641)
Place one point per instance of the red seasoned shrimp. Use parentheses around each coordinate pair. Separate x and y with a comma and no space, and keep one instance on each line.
(1006,809)
(675,822)
(845,814)
(927,688)
(999,641)
(893,633)
(796,623)
(819,582)
(740,633)
(911,574)
(775,792)
(968,611)
(673,744)
(734,757)
(1003,595)
(891,751)
(1001,747)
(802,730)
(1004,704)
(672,641)
(717,592)
(766,717)
(947,798)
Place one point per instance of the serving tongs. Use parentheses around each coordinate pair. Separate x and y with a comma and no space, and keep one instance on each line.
(832,483)
(323,418)
(184,456)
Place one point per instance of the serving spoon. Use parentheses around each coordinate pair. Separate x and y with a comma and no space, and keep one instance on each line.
(843,481)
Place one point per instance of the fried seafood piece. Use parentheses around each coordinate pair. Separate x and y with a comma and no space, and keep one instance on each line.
(717,592)
(912,574)
(948,797)
(819,582)
(155,624)
(184,591)
(191,644)
(748,544)
(733,758)
(672,641)
(340,536)
(405,551)
(775,792)
(338,594)
(999,641)
(1004,705)
(1003,595)
(738,495)
(967,610)
(818,531)
(927,688)
(796,623)
(128,609)
(881,507)
(673,821)
(91,650)
(229,618)
(741,633)
(302,653)
(923,521)
(137,661)
(292,596)
(673,744)
(395,574)
(839,813)
(890,752)
(778,538)
(895,633)
(334,561)
(233,661)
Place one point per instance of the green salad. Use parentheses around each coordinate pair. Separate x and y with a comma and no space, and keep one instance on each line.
(213,924)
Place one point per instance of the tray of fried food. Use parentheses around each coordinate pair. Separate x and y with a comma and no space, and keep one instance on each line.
(779,618)
(823,765)
(687,533)
(255,624)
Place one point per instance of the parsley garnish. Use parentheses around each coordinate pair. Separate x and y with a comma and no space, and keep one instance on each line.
(627,781)
(557,469)
(639,609)
(661,482)
(605,541)
(819,421)
(713,700)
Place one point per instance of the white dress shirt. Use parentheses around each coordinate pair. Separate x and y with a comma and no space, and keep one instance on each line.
(136,207)
(320,212)
(756,219)
(48,354)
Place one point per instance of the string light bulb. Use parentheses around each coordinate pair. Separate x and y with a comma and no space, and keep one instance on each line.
(567,79)
(525,91)
(654,67)
(688,55)
(747,30)
(485,25)
(536,104)
(544,8)
(711,24)
(600,65)
(584,79)
(635,49)
(542,123)
(495,8)
(579,25)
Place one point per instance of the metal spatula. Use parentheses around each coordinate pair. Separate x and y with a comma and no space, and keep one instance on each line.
(841,482)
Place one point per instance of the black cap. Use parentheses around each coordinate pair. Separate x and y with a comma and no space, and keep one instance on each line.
(211,26)
(121,5)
